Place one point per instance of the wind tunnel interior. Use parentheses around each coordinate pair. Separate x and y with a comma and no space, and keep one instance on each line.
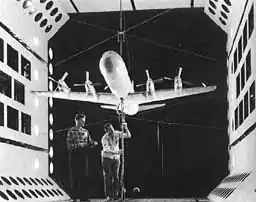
(177,151)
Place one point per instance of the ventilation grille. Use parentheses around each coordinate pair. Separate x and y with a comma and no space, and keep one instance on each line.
(30,188)
(223,192)
(228,185)
(219,11)
(47,14)
(235,178)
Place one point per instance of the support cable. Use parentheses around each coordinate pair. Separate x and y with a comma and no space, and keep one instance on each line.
(124,32)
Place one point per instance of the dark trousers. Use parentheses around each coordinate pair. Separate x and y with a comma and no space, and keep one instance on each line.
(78,166)
(111,177)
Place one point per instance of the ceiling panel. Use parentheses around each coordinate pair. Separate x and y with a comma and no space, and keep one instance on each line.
(114,5)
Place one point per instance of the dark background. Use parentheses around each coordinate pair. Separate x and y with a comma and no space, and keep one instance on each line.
(192,155)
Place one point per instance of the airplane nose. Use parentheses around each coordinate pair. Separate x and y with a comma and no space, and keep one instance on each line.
(110,62)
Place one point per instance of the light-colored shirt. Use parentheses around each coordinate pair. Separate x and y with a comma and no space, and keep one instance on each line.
(110,144)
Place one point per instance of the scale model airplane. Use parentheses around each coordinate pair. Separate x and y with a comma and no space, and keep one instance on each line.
(122,96)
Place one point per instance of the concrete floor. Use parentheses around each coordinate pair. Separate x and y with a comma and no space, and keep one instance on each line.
(156,200)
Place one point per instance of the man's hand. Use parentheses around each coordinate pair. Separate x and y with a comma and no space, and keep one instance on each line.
(115,152)
(82,144)
(125,129)
(120,151)
(92,144)
(124,126)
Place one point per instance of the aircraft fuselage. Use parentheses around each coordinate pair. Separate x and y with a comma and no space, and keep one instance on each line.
(113,69)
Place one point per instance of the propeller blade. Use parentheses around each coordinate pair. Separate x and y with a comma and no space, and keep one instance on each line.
(147,73)
(168,78)
(97,84)
(158,80)
(78,84)
(155,81)
(53,79)
(141,84)
(87,76)
(185,82)
(82,84)
(188,83)
(179,74)
(64,76)
(203,84)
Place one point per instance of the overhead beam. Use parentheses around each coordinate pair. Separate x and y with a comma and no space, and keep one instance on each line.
(133,5)
(192,3)
(74,6)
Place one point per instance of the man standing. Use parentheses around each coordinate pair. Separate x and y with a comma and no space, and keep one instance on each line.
(78,141)
(111,159)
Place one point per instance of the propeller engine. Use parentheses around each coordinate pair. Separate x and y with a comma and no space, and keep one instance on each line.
(150,86)
(88,85)
(61,84)
(178,81)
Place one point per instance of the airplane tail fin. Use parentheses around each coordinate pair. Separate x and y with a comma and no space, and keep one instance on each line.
(150,106)
(132,87)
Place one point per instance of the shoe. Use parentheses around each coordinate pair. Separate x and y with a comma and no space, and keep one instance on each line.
(116,198)
(75,200)
(108,199)
(86,200)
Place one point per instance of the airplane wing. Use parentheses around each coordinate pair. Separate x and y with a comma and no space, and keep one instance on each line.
(160,95)
(106,98)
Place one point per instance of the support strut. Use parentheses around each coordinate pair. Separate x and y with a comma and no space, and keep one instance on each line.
(122,121)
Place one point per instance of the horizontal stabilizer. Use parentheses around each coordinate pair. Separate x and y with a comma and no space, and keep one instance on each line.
(150,106)
(108,107)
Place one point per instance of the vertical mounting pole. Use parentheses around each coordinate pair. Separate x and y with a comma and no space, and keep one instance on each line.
(121,39)
(122,143)
(158,138)
(121,33)
(162,157)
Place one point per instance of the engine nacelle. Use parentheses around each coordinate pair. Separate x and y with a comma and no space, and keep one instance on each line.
(89,89)
(177,83)
(150,88)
